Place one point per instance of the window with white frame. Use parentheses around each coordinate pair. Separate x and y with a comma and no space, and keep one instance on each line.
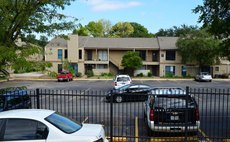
(103,55)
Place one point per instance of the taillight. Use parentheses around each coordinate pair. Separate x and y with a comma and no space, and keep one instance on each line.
(197,114)
(115,83)
(99,140)
(151,115)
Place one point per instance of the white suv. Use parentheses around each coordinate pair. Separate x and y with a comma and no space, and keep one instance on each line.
(121,80)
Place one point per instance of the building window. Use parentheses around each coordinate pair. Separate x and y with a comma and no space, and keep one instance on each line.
(155,56)
(169,70)
(102,66)
(217,68)
(102,55)
(80,54)
(59,53)
(66,54)
(142,54)
(59,68)
(171,55)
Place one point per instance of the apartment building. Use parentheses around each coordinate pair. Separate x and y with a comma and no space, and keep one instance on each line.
(103,55)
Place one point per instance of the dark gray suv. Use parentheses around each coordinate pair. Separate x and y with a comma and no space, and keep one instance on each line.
(14,98)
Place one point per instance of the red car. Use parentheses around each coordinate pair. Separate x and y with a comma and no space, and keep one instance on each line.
(65,76)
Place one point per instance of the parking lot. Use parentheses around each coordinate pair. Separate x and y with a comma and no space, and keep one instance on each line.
(215,118)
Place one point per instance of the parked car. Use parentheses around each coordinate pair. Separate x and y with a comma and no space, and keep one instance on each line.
(166,109)
(121,80)
(30,125)
(65,76)
(129,92)
(203,76)
(14,98)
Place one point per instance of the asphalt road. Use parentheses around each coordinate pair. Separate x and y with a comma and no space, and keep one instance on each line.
(214,108)
(105,85)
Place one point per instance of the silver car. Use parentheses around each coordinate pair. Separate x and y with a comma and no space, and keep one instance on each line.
(203,76)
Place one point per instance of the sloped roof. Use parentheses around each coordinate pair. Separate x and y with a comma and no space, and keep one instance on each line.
(167,42)
(57,42)
(118,43)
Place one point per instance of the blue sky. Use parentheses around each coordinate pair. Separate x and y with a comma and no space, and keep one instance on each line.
(152,14)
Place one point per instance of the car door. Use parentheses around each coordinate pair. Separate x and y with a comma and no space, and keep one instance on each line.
(132,93)
(22,130)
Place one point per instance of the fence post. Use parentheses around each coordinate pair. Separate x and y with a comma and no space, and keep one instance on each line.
(111,116)
(37,98)
(186,113)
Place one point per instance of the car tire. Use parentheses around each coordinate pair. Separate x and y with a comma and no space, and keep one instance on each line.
(118,99)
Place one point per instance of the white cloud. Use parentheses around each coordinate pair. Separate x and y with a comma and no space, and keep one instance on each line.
(108,5)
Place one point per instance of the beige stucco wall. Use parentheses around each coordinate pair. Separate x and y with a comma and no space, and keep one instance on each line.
(99,71)
(81,68)
(72,44)
(116,56)
(51,53)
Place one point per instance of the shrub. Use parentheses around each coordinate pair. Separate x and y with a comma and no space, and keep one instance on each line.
(79,74)
(89,73)
(52,74)
(140,74)
(150,74)
(169,75)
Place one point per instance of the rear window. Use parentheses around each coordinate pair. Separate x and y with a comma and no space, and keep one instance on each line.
(173,102)
(64,124)
(123,79)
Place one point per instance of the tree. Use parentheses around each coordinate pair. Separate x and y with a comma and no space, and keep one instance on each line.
(95,29)
(23,17)
(122,29)
(198,47)
(215,15)
(81,31)
(176,31)
(139,30)
(131,60)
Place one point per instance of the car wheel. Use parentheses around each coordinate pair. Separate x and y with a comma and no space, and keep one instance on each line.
(118,99)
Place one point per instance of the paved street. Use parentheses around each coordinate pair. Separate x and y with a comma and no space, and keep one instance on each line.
(105,85)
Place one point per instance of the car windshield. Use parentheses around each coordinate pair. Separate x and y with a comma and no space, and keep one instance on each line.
(124,87)
(172,102)
(64,124)
(123,79)
(204,73)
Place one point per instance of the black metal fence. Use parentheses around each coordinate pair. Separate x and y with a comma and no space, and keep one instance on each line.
(125,121)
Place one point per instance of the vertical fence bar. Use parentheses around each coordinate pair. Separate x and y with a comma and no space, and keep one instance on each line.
(111,116)
(186,113)
(37,98)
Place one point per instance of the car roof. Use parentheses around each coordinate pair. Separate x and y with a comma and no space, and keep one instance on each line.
(36,114)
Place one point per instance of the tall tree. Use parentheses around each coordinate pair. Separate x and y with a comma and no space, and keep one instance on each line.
(122,29)
(95,29)
(198,47)
(23,17)
(81,31)
(131,61)
(106,27)
(215,14)
(176,31)
(139,30)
